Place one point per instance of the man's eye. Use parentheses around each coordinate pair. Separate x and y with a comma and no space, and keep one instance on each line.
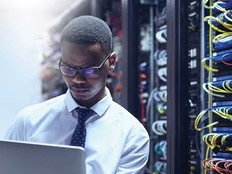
(68,69)
(89,71)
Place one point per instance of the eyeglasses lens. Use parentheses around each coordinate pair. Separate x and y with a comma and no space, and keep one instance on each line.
(87,73)
(90,73)
(67,71)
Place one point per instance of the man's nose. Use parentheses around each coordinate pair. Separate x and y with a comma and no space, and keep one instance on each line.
(79,78)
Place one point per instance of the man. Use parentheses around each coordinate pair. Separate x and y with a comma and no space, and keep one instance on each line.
(114,140)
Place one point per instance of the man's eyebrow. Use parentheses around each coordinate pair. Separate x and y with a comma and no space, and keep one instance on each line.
(72,66)
(78,67)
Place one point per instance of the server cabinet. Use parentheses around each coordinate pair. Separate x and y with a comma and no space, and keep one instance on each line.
(167,75)
(214,121)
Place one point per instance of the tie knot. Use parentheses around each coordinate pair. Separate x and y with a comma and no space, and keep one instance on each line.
(84,114)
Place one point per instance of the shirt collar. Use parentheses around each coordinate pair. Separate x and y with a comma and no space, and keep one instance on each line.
(100,107)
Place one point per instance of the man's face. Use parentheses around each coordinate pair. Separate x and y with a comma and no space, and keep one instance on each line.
(86,91)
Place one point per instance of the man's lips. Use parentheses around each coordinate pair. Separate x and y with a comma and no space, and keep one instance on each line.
(77,89)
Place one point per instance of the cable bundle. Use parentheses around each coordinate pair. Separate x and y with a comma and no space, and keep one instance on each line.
(218,165)
(224,112)
(218,142)
(161,57)
(224,17)
(221,23)
(162,74)
(219,5)
(161,149)
(225,59)
(161,108)
(160,95)
(159,127)
(218,85)
(160,167)
(218,88)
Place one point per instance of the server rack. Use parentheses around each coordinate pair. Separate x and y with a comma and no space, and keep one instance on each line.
(213,121)
(183,79)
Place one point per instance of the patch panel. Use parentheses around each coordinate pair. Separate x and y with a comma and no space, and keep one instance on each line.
(221,78)
(223,44)
(222,130)
(222,103)
(223,156)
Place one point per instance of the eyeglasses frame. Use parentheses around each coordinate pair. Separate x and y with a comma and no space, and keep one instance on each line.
(81,69)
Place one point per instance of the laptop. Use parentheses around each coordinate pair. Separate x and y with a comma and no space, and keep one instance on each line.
(18,157)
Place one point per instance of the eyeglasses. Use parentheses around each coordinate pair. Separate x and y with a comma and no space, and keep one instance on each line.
(88,73)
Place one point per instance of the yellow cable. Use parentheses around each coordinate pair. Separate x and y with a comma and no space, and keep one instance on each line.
(221,36)
(206,6)
(210,73)
(227,17)
(227,83)
(209,139)
(228,114)
(226,86)
(213,90)
(203,61)
(209,21)
(219,19)
(199,117)
(220,113)
(214,140)
(215,5)
(206,158)
(224,139)
(216,89)
(209,90)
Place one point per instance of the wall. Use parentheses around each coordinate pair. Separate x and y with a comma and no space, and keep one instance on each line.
(21,26)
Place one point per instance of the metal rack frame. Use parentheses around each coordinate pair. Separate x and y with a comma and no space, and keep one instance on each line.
(177,150)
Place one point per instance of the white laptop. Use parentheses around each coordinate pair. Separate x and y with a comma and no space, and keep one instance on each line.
(33,158)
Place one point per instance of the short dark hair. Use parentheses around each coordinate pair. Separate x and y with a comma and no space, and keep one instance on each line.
(88,30)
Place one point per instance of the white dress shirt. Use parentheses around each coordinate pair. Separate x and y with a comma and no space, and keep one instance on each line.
(116,142)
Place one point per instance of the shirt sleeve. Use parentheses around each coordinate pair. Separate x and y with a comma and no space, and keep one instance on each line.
(136,152)
(17,129)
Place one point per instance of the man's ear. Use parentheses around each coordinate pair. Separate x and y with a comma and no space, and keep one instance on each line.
(112,60)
